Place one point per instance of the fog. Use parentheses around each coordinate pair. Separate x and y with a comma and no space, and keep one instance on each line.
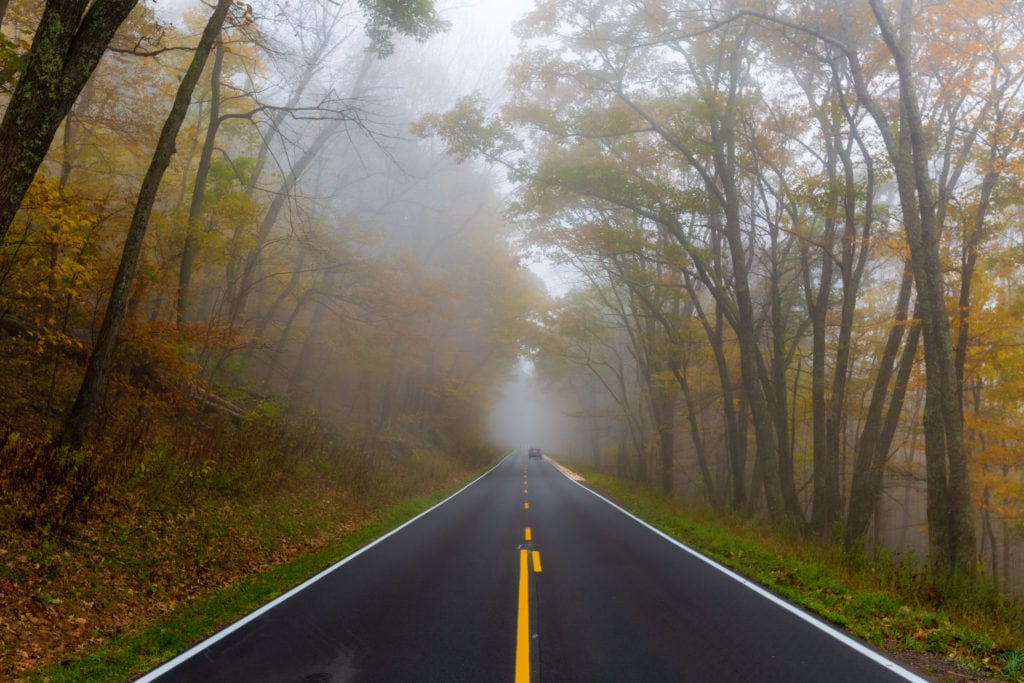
(392,238)
(526,414)
(372,279)
(392,296)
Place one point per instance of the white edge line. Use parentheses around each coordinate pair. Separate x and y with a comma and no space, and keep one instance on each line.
(763,592)
(231,628)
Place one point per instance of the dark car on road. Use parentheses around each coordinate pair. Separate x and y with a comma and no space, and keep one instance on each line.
(536,453)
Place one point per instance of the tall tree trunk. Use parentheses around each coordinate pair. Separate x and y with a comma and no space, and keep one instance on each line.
(735,417)
(969,261)
(188,251)
(77,421)
(241,275)
(851,268)
(950,521)
(824,470)
(872,450)
(68,44)
(663,413)
(775,389)
(766,441)
(725,174)
(711,490)
(735,432)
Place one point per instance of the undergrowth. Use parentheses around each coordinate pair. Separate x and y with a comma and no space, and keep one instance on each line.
(98,544)
(134,651)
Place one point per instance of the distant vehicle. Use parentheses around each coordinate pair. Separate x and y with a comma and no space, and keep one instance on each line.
(536,453)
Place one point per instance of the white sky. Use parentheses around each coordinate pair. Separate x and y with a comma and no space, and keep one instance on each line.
(475,52)
(492,15)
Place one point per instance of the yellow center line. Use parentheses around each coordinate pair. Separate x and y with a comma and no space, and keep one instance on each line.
(523,624)
(529,534)
(526,506)
(536,560)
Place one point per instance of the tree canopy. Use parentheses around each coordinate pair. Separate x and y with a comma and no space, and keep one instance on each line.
(810,187)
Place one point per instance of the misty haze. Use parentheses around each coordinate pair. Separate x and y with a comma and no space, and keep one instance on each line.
(466,341)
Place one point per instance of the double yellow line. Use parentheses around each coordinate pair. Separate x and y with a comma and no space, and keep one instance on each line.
(523,619)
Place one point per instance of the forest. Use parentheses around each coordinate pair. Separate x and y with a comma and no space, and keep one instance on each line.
(798,234)
(233,220)
(232,285)
(256,255)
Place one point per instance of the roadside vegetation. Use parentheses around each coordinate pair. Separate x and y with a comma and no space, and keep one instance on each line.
(794,234)
(130,590)
(127,650)
(242,313)
(141,567)
(180,516)
(963,632)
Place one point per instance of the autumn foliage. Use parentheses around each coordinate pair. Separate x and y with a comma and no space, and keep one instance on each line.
(318,310)
(797,227)
(284,277)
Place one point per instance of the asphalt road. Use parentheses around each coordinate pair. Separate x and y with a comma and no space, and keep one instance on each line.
(527,576)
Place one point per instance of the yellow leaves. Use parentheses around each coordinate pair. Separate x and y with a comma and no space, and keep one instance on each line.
(994,428)
(55,217)
(51,265)
(50,338)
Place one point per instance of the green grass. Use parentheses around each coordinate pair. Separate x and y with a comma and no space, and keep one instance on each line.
(885,602)
(132,654)
(1013,664)
(946,632)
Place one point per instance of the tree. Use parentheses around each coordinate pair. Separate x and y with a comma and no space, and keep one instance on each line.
(68,43)
(188,250)
(703,150)
(318,27)
(951,527)
(77,421)
(797,160)
(384,18)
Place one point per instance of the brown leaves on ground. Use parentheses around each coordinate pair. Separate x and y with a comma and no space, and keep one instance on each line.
(62,593)
(937,668)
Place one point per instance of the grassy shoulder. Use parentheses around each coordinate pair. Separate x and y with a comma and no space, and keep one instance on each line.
(188,542)
(110,602)
(962,633)
(135,652)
